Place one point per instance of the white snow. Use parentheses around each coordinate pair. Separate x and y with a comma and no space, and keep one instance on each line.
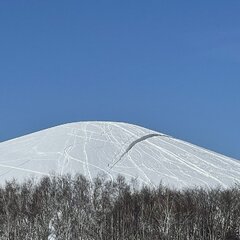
(115,148)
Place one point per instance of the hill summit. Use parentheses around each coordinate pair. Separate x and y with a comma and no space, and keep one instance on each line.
(116,148)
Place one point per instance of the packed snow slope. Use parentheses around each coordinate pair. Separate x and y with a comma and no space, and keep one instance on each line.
(115,148)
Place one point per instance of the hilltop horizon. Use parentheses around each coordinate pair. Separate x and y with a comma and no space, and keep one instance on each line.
(113,148)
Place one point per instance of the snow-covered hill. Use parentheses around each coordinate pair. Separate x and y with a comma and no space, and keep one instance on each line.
(115,148)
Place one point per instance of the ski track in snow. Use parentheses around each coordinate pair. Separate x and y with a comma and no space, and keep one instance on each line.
(88,139)
(200,159)
(135,142)
(23,169)
(187,164)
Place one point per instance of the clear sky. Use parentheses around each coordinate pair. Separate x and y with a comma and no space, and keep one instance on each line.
(172,66)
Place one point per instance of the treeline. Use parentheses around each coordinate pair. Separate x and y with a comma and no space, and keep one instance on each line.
(71,208)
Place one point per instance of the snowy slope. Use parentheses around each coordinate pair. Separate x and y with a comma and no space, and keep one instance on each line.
(113,148)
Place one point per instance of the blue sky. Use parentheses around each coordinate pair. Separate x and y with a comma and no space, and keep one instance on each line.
(172,66)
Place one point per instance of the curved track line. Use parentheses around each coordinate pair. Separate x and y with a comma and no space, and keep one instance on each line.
(132,144)
(23,169)
(92,165)
(182,161)
(140,170)
(201,159)
(188,164)
(210,152)
(88,139)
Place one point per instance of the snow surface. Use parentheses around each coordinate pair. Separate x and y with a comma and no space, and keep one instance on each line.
(115,148)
